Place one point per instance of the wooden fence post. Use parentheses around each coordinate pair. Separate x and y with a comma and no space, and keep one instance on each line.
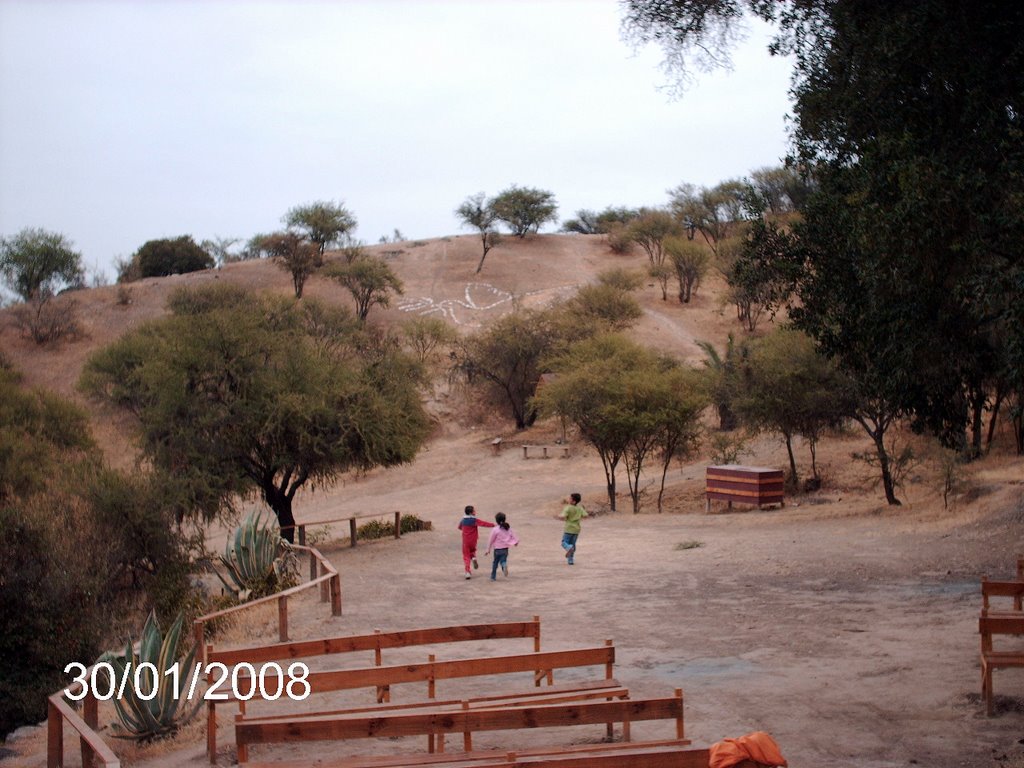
(336,595)
(325,587)
(54,737)
(312,565)
(282,618)
(302,535)
(398,525)
(352,531)
(91,715)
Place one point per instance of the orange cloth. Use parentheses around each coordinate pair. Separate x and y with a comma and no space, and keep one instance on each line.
(757,746)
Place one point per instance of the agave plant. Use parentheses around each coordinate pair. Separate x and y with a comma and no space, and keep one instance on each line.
(251,554)
(145,716)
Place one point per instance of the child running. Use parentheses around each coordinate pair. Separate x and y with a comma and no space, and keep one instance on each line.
(469,525)
(501,539)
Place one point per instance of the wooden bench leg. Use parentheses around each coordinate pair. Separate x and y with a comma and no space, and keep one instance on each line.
(986,688)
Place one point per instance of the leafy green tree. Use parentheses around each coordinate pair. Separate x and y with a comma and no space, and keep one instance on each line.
(370,281)
(625,401)
(721,382)
(591,223)
(37,264)
(295,255)
(649,231)
(323,223)
(713,212)
(789,388)
(427,337)
(690,264)
(524,209)
(73,533)
(507,355)
(246,400)
(478,212)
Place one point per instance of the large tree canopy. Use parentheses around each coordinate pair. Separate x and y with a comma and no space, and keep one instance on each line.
(908,266)
(252,395)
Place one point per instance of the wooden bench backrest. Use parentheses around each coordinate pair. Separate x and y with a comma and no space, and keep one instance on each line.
(334,727)
(999,624)
(429,671)
(378,641)
(1013,589)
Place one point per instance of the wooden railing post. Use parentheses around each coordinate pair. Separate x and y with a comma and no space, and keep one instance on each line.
(282,618)
(312,565)
(398,525)
(91,715)
(302,535)
(54,737)
(325,589)
(679,722)
(352,531)
(336,595)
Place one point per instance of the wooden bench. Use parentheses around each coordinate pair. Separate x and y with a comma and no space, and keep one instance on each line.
(1012,589)
(559,450)
(555,694)
(376,642)
(467,721)
(991,659)
(675,753)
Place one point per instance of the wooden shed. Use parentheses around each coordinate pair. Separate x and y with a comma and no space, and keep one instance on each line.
(746,485)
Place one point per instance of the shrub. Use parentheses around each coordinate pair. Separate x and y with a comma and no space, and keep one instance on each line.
(177,256)
(45,319)
(382,529)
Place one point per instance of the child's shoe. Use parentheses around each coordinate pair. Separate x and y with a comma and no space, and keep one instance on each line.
(469,575)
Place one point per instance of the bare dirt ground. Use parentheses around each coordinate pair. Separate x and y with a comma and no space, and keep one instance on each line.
(845,628)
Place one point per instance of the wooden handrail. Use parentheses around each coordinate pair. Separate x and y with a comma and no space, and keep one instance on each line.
(351,519)
(329,580)
(93,746)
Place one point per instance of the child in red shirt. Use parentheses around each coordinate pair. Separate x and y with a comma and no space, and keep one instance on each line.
(470,525)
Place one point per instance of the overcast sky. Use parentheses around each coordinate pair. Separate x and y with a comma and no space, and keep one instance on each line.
(122,122)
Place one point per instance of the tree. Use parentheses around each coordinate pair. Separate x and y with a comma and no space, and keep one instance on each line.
(524,209)
(82,544)
(626,401)
(299,257)
(323,223)
(590,223)
(610,306)
(477,212)
(690,263)
(789,388)
(37,264)
(712,212)
(910,112)
(428,337)
(370,281)
(172,256)
(721,381)
(245,400)
(649,231)
(507,355)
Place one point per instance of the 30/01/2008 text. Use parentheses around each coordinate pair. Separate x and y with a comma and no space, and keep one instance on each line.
(270,682)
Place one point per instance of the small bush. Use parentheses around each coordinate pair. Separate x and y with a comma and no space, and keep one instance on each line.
(689,544)
(48,319)
(619,241)
(382,529)
(207,298)
(177,256)
(124,295)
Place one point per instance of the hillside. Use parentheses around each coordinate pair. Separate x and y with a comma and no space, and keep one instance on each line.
(845,628)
